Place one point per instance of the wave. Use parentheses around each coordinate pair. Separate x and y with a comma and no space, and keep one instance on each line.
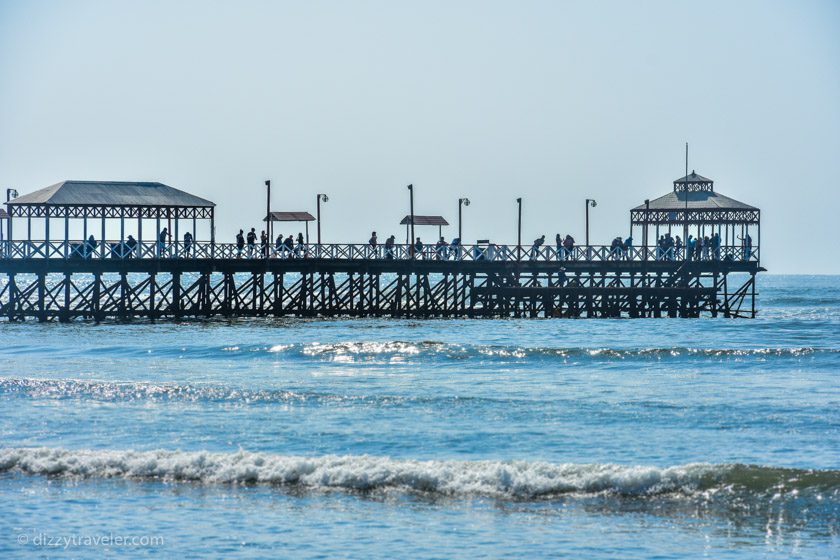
(112,391)
(396,352)
(167,392)
(403,351)
(807,300)
(516,480)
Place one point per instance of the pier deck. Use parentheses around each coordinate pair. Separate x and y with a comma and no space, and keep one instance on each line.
(157,288)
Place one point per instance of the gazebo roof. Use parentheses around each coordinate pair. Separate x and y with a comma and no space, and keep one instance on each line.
(290,217)
(693,178)
(3,214)
(113,194)
(425,221)
(697,200)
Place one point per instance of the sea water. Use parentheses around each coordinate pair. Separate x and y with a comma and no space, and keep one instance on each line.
(386,438)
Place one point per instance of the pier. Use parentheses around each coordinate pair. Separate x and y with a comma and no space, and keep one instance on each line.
(170,278)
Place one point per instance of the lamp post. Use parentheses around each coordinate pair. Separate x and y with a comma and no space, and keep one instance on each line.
(461,202)
(519,229)
(320,197)
(647,223)
(685,193)
(593,204)
(411,213)
(268,227)
(11,194)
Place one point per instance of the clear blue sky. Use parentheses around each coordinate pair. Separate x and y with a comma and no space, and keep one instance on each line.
(552,101)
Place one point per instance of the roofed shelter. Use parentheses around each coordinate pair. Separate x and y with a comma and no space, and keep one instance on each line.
(305,217)
(423,221)
(110,200)
(694,208)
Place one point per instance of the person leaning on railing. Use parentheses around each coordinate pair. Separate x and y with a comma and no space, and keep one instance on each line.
(389,247)
(615,249)
(746,246)
(535,248)
(628,248)
(455,248)
(131,247)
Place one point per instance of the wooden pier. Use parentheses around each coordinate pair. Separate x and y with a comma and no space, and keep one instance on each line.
(165,276)
(63,290)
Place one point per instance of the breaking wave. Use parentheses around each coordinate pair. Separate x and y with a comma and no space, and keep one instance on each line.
(515,480)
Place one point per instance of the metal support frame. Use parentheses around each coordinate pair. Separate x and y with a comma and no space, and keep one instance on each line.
(188,288)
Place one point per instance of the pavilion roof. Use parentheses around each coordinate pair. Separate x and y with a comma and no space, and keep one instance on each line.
(291,217)
(3,214)
(112,193)
(697,200)
(693,178)
(425,221)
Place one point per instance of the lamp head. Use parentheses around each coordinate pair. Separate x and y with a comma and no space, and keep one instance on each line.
(465,201)
(324,197)
(411,187)
(519,200)
(268,182)
(593,204)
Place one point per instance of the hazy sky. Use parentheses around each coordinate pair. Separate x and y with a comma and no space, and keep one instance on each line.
(551,101)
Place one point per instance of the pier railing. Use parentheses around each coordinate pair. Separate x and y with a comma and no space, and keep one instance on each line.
(349,251)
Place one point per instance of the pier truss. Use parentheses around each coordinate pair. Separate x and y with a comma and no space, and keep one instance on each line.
(56,289)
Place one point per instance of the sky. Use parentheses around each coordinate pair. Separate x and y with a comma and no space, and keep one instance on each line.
(554,102)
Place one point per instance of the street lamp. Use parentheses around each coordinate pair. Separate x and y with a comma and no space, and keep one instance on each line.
(685,194)
(461,202)
(11,194)
(320,197)
(268,227)
(645,234)
(593,204)
(411,226)
(519,229)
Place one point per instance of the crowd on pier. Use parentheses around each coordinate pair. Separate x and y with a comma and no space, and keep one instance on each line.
(250,245)
(698,248)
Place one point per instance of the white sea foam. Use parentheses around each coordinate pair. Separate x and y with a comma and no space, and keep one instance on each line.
(508,479)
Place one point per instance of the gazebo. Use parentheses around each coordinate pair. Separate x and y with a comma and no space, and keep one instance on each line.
(304,217)
(422,221)
(694,208)
(105,201)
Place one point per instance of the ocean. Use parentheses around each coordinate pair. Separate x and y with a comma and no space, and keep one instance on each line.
(381,438)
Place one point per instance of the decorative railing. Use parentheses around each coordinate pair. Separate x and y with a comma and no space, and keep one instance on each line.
(482,252)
